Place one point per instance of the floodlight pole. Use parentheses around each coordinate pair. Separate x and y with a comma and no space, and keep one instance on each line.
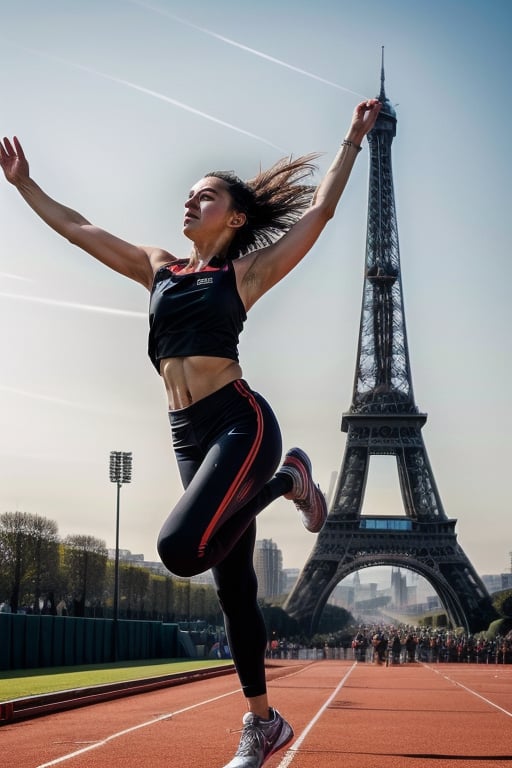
(120,473)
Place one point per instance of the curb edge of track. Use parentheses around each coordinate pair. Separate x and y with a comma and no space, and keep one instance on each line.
(44,704)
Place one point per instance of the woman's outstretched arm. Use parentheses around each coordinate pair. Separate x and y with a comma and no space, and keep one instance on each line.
(260,270)
(130,260)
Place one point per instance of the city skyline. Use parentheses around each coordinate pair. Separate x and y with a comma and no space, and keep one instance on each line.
(119,130)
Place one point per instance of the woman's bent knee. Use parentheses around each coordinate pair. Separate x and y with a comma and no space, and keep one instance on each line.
(178,557)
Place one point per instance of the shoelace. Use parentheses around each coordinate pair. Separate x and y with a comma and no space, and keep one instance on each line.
(306,505)
(252,740)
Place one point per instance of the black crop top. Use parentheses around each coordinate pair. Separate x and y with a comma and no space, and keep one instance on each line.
(194,313)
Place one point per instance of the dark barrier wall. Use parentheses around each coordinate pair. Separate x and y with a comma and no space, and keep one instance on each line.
(28,641)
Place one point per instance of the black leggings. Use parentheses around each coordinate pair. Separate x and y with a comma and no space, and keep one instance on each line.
(228,446)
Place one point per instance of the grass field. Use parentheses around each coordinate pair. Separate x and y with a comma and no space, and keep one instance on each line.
(20,683)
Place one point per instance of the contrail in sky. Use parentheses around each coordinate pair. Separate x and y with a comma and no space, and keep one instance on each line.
(54,400)
(10,276)
(244,47)
(74,305)
(155,94)
(176,103)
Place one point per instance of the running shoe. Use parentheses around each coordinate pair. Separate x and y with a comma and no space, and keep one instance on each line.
(260,739)
(307,497)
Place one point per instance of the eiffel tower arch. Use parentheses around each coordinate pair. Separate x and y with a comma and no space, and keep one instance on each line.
(383,419)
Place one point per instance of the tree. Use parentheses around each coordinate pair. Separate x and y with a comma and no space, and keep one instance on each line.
(334,619)
(183,599)
(161,592)
(85,567)
(46,563)
(133,589)
(502,601)
(278,622)
(29,556)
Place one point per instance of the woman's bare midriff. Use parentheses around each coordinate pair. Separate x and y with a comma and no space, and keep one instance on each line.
(189,379)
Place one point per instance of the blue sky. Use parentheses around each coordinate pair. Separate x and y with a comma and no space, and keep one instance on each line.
(121,106)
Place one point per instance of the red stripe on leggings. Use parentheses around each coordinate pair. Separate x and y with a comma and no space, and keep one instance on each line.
(242,472)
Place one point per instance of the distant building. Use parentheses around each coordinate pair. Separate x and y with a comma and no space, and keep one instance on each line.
(495,582)
(268,564)
(290,577)
(401,589)
(125,556)
(342,596)
(155,566)
(399,594)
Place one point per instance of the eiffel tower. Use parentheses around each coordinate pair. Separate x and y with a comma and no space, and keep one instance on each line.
(384,419)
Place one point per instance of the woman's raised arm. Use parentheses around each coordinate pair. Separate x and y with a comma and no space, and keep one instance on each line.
(133,261)
(260,270)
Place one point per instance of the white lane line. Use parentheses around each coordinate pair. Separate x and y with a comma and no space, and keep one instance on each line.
(474,693)
(117,735)
(96,744)
(290,754)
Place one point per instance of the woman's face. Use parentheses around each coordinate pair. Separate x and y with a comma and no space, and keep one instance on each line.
(208,209)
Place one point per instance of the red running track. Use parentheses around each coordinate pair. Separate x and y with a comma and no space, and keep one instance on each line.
(343,714)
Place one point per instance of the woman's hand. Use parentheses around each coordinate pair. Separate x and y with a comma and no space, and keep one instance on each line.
(133,261)
(363,119)
(13,161)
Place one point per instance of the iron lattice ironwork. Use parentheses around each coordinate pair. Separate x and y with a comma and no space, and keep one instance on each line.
(384,419)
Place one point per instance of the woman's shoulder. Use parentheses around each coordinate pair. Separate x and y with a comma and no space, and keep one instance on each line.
(159,258)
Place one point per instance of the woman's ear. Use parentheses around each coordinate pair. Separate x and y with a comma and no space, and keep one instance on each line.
(237,220)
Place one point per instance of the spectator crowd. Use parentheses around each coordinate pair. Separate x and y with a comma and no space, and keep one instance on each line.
(404,644)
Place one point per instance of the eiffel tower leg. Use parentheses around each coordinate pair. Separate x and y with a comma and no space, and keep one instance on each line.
(466,599)
(419,491)
(307,599)
(349,494)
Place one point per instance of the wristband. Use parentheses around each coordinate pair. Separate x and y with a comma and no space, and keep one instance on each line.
(349,143)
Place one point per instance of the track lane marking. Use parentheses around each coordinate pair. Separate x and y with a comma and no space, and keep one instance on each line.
(133,728)
(470,690)
(292,751)
(124,732)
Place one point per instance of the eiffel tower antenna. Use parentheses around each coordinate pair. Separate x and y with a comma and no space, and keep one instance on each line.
(383,419)
(382,95)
